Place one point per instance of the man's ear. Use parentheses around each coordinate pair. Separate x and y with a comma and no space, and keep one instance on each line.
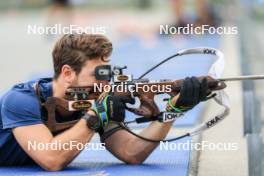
(68,74)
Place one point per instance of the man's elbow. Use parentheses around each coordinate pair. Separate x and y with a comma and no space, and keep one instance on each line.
(134,158)
(133,161)
(52,168)
(52,164)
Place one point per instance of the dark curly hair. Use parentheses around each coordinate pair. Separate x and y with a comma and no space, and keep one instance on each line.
(75,49)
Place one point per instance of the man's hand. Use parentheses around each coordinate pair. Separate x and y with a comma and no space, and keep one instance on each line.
(192,93)
(112,108)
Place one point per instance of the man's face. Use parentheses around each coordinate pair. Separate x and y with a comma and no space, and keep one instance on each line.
(87,75)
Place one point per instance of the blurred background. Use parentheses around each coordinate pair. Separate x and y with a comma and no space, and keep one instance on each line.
(134,28)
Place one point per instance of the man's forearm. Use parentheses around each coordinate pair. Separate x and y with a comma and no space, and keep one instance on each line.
(58,151)
(78,134)
(140,148)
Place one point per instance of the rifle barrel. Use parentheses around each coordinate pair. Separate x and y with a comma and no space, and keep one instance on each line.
(241,78)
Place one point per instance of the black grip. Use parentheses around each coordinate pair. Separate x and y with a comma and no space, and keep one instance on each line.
(145,119)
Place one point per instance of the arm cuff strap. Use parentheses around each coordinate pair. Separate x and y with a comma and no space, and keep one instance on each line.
(101,111)
(173,107)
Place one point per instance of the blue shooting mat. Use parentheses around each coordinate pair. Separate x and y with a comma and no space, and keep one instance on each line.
(161,161)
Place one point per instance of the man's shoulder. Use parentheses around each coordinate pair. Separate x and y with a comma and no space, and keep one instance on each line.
(20,106)
(20,96)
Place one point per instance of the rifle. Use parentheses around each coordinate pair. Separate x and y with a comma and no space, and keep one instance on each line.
(82,98)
